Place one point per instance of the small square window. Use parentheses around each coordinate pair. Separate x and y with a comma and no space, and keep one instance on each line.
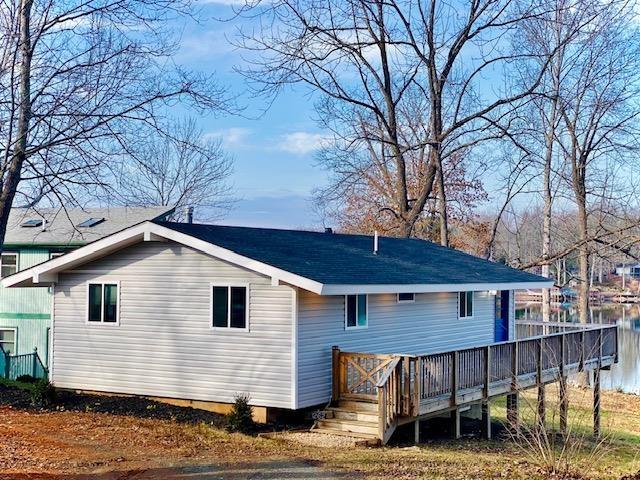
(406,297)
(465,304)
(356,311)
(230,307)
(8,340)
(102,303)
(8,263)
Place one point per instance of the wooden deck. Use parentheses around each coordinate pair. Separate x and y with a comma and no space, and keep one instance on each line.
(410,387)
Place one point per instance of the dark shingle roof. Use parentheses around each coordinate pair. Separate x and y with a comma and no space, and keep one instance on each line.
(339,259)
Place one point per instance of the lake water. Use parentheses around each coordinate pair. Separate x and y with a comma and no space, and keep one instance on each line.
(625,375)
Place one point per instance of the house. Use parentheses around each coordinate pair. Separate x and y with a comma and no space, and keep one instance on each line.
(201,313)
(34,236)
(632,271)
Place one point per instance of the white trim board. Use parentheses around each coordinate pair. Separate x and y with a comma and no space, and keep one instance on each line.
(46,273)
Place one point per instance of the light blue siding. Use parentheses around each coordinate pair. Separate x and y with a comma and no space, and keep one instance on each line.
(27,310)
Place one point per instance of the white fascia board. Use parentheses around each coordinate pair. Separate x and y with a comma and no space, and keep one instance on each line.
(44,272)
(149,231)
(276,274)
(430,288)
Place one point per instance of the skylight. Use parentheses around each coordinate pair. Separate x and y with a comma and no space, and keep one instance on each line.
(32,222)
(91,222)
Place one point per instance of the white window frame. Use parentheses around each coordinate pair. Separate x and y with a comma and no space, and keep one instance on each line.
(15,338)
(10,252)
(229,285)
(473,304)
(102,322)
(413,299)
(356,326)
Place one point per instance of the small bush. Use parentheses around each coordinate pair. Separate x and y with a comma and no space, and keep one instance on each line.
(43,393)
(26,379)
(241,417)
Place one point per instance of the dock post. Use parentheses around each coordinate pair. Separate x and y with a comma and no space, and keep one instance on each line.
(513,415)
(564,405)
(455,423)
(486,420)
(416,432)
(596,402)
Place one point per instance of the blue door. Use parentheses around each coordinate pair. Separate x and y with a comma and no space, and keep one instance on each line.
(502,316)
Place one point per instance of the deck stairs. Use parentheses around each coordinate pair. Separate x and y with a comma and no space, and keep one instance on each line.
(358,419)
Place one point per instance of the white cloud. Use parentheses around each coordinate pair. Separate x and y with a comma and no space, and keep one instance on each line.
(231,137)
(301,143)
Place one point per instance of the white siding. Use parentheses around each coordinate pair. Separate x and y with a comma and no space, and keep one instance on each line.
(164,345)
(428,325)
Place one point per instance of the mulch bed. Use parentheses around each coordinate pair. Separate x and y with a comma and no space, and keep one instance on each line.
(132,406)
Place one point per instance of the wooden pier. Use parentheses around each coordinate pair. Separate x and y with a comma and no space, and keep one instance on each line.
(373,394)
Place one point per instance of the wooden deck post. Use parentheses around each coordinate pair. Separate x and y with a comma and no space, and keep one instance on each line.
(513,414)
(596,402)
(416,432)
(486,420)
(455,423)
(454,378)
(564,405)
(335,374)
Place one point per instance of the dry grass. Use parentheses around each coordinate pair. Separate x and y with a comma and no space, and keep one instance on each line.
(83,442)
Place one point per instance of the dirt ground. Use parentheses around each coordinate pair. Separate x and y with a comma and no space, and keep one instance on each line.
(106,439)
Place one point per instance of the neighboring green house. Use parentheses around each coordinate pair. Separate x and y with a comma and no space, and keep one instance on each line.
(35,236)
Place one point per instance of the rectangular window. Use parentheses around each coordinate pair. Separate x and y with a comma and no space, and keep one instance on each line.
(465,304)
(356,311)
(406,298)
(9,263)
(102,303)
(8,340)
(229,306)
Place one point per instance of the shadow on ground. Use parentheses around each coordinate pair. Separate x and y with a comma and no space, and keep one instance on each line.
(268,470)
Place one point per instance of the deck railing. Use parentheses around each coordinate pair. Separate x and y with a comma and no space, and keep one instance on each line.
(15,366)
(415,385)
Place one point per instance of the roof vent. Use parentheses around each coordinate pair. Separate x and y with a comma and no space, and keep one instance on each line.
(90,222)
(375,242)
(32,222)
(328,230)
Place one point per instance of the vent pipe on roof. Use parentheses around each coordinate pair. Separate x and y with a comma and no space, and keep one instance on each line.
(375,242)
(328,230)
(188,214)
(44,224)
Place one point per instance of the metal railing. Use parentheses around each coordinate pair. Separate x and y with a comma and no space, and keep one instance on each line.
(15,366)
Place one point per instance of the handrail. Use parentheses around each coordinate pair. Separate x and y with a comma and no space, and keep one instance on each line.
(388,371)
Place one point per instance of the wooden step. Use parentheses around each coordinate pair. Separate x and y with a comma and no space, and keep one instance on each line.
(342,433)
(353,426)
(345,414)
(358,406)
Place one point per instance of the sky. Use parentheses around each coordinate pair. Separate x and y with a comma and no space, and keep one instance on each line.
(272,146)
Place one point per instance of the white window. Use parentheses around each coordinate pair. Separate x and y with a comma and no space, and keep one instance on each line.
(465,304)
(355,315)
(103,302)
(230,307)
(406,298)
(9,263)
(8,340)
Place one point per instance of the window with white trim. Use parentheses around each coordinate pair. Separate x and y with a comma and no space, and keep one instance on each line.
(8,263)
(355,311)
(102,302)
(406,297)
(8,340)
(230,307)
(465,304)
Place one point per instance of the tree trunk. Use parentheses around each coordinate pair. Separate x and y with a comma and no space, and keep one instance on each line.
(13,172)
(583,263)
(442,208)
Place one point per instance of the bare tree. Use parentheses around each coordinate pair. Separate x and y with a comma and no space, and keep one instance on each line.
(75,78)
(396,78)
(181,168)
